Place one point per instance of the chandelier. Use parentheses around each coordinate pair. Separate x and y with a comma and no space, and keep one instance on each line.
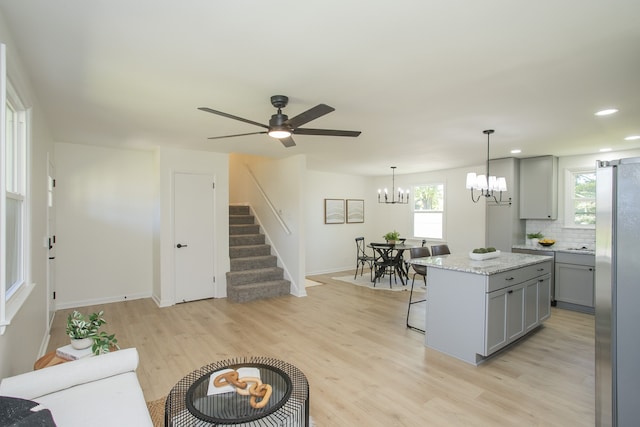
(487,184)
(403,196)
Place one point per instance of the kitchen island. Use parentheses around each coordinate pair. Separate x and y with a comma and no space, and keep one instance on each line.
(476,308)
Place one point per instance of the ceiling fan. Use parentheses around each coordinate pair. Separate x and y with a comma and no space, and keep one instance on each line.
(282,127)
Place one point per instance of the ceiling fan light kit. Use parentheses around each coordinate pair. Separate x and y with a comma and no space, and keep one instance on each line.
(281,127)
(278,127)
(486,184)
(279,132)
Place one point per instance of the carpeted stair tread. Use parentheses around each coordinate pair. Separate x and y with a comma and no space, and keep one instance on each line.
(241,219)
(239,210)
(246,239)
(253,262)
(244,229)
(258,290)
(246,251)
(255,275)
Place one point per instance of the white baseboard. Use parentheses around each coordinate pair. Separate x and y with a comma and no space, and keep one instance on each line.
(44,344)
(107,300)
(330,271)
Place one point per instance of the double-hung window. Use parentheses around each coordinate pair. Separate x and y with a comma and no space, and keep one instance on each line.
(581,200)
(13,199)
(428,211)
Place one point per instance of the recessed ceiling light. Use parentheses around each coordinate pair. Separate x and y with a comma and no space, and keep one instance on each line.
(607,112)
(516,151)
(632,138)
(604,150)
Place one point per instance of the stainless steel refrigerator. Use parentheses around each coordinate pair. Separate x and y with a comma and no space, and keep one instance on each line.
(617,292)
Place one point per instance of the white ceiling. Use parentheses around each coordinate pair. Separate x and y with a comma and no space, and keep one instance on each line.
(420,78)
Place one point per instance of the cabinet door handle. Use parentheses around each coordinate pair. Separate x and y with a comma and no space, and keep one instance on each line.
(540,280)
(591,269)
(510,292)
(509,278)
(541,269)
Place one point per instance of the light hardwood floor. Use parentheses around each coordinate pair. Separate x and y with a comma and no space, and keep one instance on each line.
(363,365)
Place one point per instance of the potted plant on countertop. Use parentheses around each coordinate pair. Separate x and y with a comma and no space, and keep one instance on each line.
(392,237)
(532,238)
(84,332)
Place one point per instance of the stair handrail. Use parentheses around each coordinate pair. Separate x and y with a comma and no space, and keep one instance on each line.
(273,209)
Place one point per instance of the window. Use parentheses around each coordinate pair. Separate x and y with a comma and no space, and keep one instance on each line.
(14,222)
(428,211)
(581,200)
(15,196)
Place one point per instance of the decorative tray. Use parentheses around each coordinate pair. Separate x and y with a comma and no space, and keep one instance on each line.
(482,257)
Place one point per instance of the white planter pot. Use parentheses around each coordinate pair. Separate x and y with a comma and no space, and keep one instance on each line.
(81,343)
(532,242)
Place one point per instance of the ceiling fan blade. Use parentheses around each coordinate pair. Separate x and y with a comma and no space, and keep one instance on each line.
(287,142)
(311,114)
(229,116)
(326,132)
(240,134)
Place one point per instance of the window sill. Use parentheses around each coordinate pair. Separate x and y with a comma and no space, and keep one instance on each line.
(579,227)
(14,304)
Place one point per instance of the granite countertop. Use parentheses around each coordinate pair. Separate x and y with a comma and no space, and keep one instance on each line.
(461,262)
(573,250)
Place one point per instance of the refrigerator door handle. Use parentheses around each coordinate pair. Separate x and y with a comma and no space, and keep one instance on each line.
(605,387)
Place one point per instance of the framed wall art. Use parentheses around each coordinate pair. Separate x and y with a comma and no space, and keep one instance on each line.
(355,211)
(334,211)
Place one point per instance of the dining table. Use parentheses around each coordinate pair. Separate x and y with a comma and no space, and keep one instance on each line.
(390,256)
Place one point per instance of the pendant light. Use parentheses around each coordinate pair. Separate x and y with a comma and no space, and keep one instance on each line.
(487,184)
(403,196)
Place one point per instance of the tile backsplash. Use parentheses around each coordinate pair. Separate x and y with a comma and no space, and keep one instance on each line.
(565,237)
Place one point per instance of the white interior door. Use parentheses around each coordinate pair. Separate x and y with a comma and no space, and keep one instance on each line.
(193,236)
(51,237)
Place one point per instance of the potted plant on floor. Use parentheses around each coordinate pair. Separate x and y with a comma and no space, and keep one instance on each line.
(84,332)
(392,237)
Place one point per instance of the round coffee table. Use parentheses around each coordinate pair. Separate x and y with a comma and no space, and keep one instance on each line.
(188,403)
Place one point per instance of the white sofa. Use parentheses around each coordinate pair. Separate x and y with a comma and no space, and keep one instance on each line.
(100,390)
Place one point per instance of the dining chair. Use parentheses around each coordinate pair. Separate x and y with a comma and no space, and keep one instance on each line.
(362,258)
(440,250)
(421,270)
(387,263)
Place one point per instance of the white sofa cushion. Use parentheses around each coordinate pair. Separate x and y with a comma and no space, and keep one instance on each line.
(55,378)
(101,390)
(114,401)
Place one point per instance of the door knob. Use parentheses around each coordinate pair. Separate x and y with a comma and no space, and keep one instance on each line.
(180,245)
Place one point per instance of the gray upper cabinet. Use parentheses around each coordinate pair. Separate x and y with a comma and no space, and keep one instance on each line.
(539,187)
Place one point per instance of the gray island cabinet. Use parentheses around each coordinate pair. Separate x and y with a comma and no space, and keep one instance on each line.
(475,308)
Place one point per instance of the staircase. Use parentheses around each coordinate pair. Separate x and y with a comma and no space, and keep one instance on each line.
(254,272)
